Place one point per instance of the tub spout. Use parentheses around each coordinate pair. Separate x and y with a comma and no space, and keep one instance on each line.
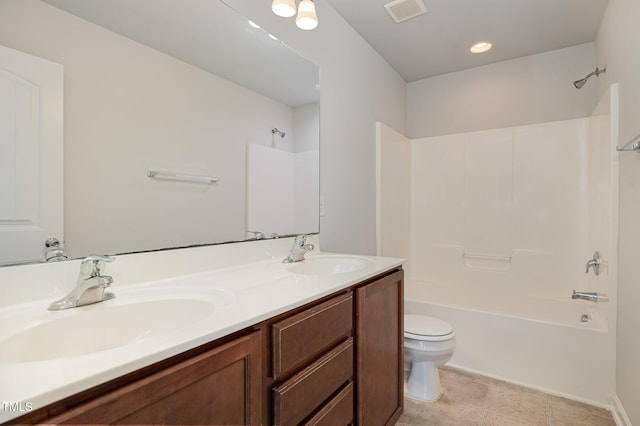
(592,297)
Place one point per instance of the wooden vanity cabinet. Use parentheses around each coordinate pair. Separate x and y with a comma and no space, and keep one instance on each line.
(340,362)
(219,387)
(335,361)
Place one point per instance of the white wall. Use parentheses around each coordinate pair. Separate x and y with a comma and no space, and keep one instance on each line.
(528,90)
(358,89)
(306,128)
(306,192)
(619,50)
(129,108)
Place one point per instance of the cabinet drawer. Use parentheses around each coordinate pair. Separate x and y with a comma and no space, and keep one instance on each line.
(299,396)
(337,412)
(302,337)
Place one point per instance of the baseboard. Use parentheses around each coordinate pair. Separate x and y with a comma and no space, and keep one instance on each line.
(619,415)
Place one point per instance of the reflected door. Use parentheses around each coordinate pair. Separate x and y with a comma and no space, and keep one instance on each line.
(31,155)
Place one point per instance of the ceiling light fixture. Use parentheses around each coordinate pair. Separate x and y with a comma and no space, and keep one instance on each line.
(306,18)
(284,8)
(481,47)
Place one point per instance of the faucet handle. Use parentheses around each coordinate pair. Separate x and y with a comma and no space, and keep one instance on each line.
(257,235)
(92,265)
(594,263)
(301,243)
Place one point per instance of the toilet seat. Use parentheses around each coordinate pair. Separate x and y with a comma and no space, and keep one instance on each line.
(426,328)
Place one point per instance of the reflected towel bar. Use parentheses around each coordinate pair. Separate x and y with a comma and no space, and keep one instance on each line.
(182,177)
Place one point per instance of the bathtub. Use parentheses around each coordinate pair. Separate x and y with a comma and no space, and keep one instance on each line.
(533,340)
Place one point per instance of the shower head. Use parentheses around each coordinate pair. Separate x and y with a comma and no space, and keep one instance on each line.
(579,83)
(275,131)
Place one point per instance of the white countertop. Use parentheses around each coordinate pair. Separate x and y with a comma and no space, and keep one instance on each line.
(245,294)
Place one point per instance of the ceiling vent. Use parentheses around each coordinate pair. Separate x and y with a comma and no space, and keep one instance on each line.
(401,10)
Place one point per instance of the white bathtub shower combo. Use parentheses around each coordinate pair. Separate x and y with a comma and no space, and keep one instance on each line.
(497,227)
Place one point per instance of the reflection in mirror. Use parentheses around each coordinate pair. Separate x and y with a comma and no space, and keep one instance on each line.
(186,88)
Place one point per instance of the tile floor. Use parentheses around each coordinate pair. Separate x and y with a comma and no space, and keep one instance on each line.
(477,400)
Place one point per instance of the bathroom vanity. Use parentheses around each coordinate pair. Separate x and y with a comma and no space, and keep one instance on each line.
(329,353)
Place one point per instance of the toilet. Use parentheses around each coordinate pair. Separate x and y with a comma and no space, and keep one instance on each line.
(428,343)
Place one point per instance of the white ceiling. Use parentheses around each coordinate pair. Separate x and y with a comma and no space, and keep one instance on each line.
(438,42)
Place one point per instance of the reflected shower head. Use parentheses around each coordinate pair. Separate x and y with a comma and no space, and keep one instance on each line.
(275,131)
(579,83)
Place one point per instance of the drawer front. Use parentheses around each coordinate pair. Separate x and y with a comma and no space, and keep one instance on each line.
(337,412)
(299,396)
(302,337)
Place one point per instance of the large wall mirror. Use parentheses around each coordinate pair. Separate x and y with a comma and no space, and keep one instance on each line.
(189,89)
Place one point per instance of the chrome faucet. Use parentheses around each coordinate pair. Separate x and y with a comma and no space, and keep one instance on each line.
(90,287)
(298,250)
(53,251)
(594,263)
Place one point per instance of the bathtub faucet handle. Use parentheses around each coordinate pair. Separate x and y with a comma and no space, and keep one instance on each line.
(594,263)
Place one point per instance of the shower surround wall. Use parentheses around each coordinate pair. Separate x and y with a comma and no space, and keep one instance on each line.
(504,210)
(282,191)
(497,227)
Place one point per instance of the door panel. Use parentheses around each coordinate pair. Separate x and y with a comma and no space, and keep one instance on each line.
(31,154)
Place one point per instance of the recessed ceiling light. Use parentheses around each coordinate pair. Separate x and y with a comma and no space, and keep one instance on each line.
(273,37)
(253,24)
(481,47)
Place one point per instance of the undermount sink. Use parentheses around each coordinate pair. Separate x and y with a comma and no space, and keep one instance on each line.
(107,325)
(324,265)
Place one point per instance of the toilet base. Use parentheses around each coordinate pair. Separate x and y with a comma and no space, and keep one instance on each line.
(423,383)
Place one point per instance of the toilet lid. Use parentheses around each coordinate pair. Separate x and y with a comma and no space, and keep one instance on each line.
(422,325)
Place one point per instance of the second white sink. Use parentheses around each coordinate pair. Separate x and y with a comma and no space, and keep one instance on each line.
(329,264)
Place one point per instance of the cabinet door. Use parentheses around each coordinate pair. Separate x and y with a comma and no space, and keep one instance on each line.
(379,334)
(221,387)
